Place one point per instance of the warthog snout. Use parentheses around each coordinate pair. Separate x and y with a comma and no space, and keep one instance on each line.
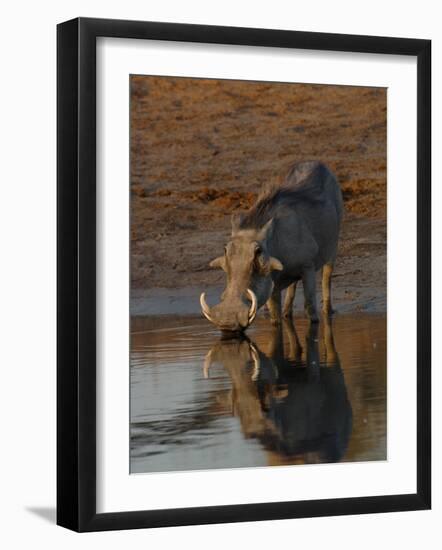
(231,316)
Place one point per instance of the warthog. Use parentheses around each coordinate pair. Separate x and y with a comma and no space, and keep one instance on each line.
(289,234)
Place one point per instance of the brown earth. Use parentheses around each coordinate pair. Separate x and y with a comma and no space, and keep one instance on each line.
(202,149)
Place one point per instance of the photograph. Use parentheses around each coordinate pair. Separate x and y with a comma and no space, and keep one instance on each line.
(258,274)
(223,223)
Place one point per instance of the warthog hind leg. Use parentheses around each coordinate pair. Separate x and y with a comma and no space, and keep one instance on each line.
(327,271)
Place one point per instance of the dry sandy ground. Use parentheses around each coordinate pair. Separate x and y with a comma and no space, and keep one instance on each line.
(202,149)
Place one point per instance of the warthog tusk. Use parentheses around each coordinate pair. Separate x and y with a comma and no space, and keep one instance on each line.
(254,306)
(204,307)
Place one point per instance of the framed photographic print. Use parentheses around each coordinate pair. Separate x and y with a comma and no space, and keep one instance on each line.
(243,274)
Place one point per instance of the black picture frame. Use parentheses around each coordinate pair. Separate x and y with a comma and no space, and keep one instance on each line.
(77,288)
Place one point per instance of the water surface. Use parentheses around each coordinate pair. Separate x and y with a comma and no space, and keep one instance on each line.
(300,394)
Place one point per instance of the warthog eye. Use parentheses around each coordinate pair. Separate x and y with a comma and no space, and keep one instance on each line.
(258,250)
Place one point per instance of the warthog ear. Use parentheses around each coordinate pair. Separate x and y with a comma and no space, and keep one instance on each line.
(275,264)
(265,267)
(219,262)
(236,222)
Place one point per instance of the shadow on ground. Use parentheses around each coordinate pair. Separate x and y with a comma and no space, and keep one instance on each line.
(47,513)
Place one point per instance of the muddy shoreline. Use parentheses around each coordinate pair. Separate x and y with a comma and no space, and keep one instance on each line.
(185,301)
(172,263)
(359,279)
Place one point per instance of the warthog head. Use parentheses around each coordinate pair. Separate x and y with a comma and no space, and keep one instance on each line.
(248,267)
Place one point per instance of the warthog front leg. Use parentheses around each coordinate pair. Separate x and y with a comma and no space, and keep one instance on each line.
(309,284)
(327,271)
(274,307)
(287,311)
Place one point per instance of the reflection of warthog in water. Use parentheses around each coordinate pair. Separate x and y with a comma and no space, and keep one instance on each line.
(296,409)
(288,235)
